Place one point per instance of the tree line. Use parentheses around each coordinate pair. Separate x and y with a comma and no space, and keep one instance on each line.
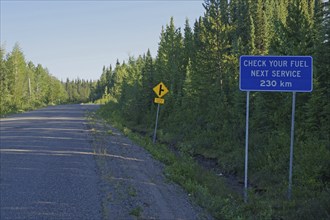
(25,86)
(204,112)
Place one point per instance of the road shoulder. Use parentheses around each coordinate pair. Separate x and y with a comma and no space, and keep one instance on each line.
(133,183)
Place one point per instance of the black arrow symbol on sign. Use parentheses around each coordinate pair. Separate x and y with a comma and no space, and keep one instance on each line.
(160,89)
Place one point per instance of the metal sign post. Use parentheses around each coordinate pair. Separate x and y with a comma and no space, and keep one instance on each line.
(274,74)
(156,124)
(160,91)
(291,143)
(246,146)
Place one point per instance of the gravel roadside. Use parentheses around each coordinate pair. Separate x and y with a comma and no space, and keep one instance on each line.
(133,183)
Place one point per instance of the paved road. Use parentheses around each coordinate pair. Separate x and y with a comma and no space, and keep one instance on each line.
(47,166)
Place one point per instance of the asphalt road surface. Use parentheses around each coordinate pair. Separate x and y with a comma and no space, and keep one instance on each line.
(47,166)
(62,162)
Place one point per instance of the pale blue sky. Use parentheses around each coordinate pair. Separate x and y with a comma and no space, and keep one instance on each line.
(77,38)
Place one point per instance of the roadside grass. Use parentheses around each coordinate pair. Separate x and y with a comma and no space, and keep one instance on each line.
(137,211)
(131,191)
(204,187)
(213,193)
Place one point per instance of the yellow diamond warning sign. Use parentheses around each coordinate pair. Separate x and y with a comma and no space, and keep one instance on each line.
(160,90)
(159,100)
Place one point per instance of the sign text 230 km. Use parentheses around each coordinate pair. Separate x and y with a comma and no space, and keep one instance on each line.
(276,73)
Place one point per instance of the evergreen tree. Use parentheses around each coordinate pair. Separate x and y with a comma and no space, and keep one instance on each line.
(148,82)
(17,67)
(5,98)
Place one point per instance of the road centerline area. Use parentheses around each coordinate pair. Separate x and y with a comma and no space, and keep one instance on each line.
(47,165)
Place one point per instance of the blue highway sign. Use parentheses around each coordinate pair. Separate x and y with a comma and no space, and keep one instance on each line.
(276,73)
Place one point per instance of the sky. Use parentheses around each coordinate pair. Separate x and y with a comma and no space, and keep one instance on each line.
(75,39)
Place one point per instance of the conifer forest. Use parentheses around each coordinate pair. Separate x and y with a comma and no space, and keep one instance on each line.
(204,111)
